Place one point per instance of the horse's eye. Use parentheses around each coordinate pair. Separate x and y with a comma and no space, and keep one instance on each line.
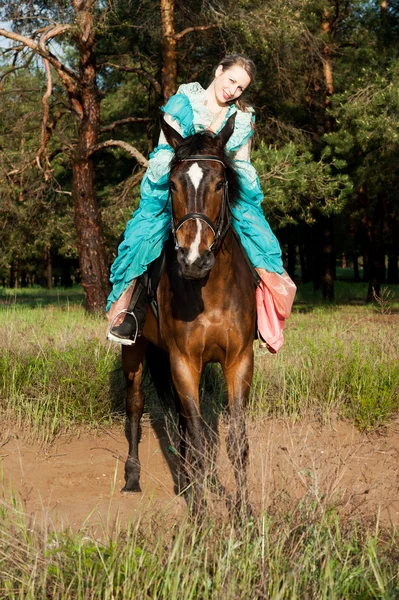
(220,185)
(172,186)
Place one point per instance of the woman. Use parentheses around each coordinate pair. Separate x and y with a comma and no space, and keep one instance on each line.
(191,110)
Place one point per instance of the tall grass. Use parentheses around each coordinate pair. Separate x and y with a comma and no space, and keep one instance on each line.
(57,370)
(339,360)
(306,554)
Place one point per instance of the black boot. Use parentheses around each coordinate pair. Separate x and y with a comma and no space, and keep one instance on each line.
(133,323)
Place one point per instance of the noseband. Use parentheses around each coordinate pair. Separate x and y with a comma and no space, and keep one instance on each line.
(217,229)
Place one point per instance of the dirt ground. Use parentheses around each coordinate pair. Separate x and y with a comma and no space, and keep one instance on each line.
(76,482)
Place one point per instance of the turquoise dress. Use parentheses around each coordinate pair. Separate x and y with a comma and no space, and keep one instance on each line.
(149,227)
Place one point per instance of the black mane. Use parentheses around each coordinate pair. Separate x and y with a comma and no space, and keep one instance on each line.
(206,143)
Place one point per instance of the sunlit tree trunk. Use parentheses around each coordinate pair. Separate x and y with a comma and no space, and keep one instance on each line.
(169,61)
(91,246)
(326,223)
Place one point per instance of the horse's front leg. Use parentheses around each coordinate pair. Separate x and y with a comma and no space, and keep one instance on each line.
(132,364)
(186,378)
(239,379)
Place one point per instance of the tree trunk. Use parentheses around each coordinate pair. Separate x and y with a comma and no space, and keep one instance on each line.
(14,274)
(169,62)
(91,246)
(377,253)
(393,248)
(325,224)
(291,258)
(48,270)
(356,275)
(392,275)
(328,258)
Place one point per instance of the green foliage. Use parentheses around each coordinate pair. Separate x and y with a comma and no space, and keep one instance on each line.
(296,186)
(316,148)
(368,131)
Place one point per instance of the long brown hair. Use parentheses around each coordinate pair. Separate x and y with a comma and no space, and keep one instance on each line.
(232,60)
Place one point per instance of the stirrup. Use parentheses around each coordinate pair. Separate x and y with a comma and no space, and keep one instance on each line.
(124,341)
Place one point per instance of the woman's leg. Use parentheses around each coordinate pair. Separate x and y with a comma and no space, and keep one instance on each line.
(143,241)
(133,315)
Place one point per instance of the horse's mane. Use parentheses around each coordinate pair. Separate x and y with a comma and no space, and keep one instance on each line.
(206,143)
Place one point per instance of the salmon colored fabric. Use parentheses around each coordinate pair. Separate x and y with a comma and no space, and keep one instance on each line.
(274,298)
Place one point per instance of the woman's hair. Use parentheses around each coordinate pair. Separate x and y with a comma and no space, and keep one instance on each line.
(232,60)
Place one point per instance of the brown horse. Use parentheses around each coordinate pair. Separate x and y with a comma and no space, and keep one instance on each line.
(206,300)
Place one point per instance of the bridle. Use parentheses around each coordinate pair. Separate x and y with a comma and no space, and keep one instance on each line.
(217,229)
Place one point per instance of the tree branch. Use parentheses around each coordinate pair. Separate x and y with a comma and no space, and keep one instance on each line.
(156,85)
(67,75)
(123,122)
(179,36)
(141,159)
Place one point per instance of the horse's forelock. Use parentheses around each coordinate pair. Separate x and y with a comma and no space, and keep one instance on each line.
(206,143)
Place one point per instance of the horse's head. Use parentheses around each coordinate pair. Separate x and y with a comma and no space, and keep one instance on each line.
(201,181)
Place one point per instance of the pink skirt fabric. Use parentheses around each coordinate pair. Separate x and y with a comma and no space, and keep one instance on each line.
(274,299)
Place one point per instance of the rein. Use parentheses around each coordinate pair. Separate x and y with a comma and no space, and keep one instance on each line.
(217,229)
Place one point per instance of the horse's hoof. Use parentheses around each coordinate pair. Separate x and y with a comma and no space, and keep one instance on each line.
(131,487)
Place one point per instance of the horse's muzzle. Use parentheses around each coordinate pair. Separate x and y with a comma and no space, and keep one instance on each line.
(197,269)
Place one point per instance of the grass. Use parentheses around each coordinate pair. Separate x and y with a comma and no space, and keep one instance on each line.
(58,372)
(304,554)
(56,369)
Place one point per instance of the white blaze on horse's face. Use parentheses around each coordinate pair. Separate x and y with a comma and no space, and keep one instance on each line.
(193,252)
(195,174)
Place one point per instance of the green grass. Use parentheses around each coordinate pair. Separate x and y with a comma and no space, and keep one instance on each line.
(336,360)
(57,371)
(304,554)
(38,297)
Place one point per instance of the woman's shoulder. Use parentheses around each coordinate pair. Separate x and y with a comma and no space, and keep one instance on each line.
(191,90)
(245,114)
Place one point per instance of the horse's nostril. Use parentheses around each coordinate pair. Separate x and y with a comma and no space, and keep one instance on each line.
(205,261)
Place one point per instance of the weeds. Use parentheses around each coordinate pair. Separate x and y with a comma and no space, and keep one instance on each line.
(57,371)
(304,554)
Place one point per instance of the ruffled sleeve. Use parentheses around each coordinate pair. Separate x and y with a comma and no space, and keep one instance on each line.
(243,130)
(179,108)
(158,165)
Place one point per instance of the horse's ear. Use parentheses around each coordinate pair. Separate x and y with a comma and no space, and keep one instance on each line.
(173,137)
(225,134)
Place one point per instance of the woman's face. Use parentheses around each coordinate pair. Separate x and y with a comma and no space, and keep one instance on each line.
(230,83)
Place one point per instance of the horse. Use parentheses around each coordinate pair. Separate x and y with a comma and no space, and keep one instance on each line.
(207,309)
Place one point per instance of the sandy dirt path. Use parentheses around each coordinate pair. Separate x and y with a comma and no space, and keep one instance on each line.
(76,482)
